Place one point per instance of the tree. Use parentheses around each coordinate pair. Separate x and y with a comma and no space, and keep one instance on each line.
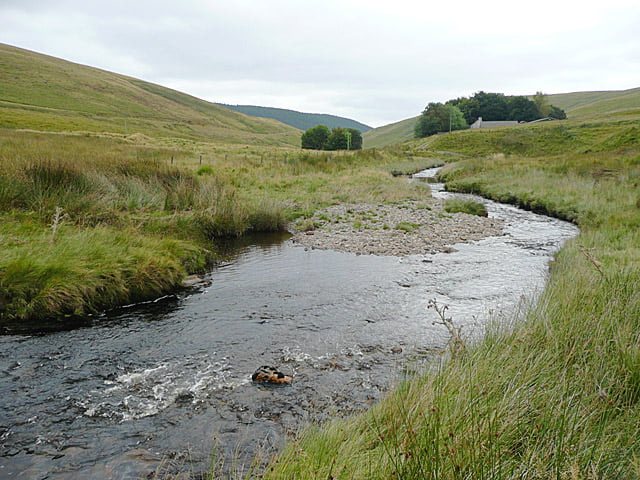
(338,140)
(321,138)
(439,118)
(557,113)
(522,109)
(316,137)
(540,99)
(426,126)
(356,139)
(470,108)
(493,106)
(489,106)
(456,118)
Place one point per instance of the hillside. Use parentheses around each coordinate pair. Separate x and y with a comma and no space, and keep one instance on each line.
(576,105)
(390,134)
(40,92)
(301,120)
(597,103)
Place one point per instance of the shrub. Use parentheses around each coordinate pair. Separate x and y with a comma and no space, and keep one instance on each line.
(306,225)
(205,170)
(458,205)
(407,226)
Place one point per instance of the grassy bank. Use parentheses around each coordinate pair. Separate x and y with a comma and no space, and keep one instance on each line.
(555,396)
(89,222)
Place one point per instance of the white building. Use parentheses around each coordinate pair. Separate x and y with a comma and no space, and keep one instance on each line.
(479,123)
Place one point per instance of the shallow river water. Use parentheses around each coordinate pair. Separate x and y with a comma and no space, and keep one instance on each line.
(160,386)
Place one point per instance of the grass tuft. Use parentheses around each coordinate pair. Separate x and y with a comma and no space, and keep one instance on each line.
(408,227)
(458,205)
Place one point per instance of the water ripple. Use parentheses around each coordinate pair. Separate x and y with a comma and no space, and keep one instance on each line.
(174,373)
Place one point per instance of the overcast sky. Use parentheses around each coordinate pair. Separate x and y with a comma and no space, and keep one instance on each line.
(374,61)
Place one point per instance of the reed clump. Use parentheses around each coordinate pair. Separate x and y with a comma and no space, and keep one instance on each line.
(458,205)
(119,231)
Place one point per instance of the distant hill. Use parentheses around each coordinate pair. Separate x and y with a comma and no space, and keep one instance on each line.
(577,105)
(391,134)
(301,120)
(45,93)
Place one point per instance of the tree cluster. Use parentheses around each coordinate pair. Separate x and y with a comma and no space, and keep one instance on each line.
(497,106)
(461,112)
(338,138)
(439,118)
(547,110)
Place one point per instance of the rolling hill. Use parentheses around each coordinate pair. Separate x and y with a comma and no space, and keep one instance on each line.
(301,120)
(45,93)
(393,133)
(616,102)
(577,105)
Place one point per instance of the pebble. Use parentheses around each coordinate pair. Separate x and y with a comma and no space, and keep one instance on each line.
(372,229)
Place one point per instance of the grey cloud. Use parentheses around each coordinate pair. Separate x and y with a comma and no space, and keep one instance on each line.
(375,62)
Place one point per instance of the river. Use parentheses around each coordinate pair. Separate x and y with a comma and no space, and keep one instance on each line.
(158,387)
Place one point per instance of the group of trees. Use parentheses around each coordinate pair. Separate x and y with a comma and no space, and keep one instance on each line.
(338,138)
(461,112)
(546,109)
(439,118)
(497,106)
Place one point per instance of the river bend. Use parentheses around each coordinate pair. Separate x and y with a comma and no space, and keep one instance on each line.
(169,381)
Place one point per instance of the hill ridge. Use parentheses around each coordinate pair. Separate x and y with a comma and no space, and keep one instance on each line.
(42,92)
(300,120)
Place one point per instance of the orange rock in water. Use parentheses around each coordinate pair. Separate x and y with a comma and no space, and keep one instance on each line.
(270,375)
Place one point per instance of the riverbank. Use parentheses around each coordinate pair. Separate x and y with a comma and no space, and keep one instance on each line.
(89,223)
(408,228)
(557,396)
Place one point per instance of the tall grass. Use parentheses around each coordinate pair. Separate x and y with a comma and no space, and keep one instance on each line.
(154,210)
(125,228)
(95,186)
(471,207)
(554,396)
(86,270)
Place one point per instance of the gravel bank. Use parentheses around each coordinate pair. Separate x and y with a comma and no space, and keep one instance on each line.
(400,230)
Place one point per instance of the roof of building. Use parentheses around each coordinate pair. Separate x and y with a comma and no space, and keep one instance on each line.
(479,123)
